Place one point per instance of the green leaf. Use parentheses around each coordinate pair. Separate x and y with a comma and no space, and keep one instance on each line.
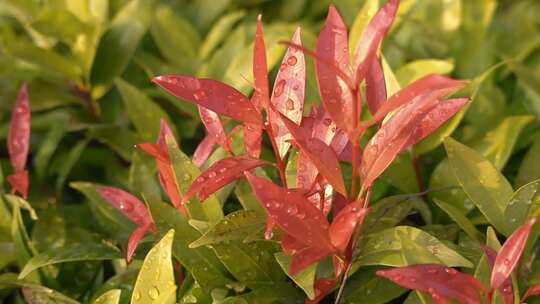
(388,212)
(523,201)
(400,173)
(143,112)
(201,262)
(71,253)
(35,294)
(175,37)
(142,177)
(486,187)
(118,139)
(246,196)
(277,293)
(185,173)
(233,227)
(119,43)
(419,68)
(529,169)
(460,219)
(384,248)
(305,279)
(156,278)
(23,246)
(110,297)
(219,32)
(48,146)
(366,287)
(69,162)
(369,9)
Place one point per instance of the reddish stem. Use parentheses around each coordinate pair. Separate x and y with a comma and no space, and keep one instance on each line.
(279,161)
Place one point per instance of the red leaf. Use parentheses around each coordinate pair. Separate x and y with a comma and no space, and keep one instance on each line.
(419,87)
(534,290)
(510,253)
(260,69)
(306,172)
(306,257)
(322,156)
(165,132)
(18,136)
(288,93)
(336,95)
(372,36)
(394,135)
(19,182)
(212,95)
(153,150)
(322,288)
(344,224)
(290,245)
(128,204)
(435,117)
(292,212)
(375,85)
(253,139)
(134,239)
(203,151)
(220,174)
(441,282)
(506,288)
(214,126)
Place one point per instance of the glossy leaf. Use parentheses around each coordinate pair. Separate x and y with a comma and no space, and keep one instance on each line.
(110,297)
(292,212)
(305,279)
(534,290)
(333,55)
(211,94)
(365,287)
(220,174)
(157,275)
(203,150)
(371,38)
(487,188)
(505,289)
(438,281)
(306,257)
(71,253)
(126,203)
(260,71)
(509,254)
(322,156)
(461,219)
(344,224)
(375,85)
(253,139)
(134,240)
(214,126)
(288,93)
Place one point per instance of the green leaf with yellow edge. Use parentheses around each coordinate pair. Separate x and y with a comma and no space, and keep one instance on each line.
(384,248)
(201,262)
(369,9)
(524,201)
(461,219)
(484,185)
(110,297)
(71,253)
(24,248)
(305,279)
(233,227)
(219,32)
(366,287)
(119,43)
(417,69)
(143,112)
(156,278)
(185,174)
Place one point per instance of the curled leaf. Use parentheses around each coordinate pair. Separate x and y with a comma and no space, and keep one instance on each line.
(509,254)
(505,289)
(534,290)
(220,174)
(211,94)
(18,141)
(260,69)
(129,205)
(441,282)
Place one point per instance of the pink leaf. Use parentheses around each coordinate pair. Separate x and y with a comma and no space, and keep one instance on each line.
(419,87)
(212,95)
(510,253)
(534,290)
(336,95)
(441,282)
(322,287)
(306,257)
(220,174)
(129,205)
(322,156)
(292,212)
(372,36)
(290,245)
(288,93)
(506,288)
(203,151)
(344,224)
(306,172)
(375,85)
(214,126)
(435,117)
(18,136)
(134,239)
(19,182)
(260,69)
(253,139)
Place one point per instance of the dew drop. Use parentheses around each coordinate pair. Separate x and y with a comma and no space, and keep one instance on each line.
(199,95)
(212,174)
(125,206)
(280,86)
(153,293)
(327,122)
(136,296)
(506,262)
(292,60)
(289,104)
(292,209)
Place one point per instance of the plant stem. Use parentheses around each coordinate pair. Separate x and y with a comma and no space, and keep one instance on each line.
(279,161)
(355,147)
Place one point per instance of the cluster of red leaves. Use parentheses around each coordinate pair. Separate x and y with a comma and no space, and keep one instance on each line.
(444,283)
